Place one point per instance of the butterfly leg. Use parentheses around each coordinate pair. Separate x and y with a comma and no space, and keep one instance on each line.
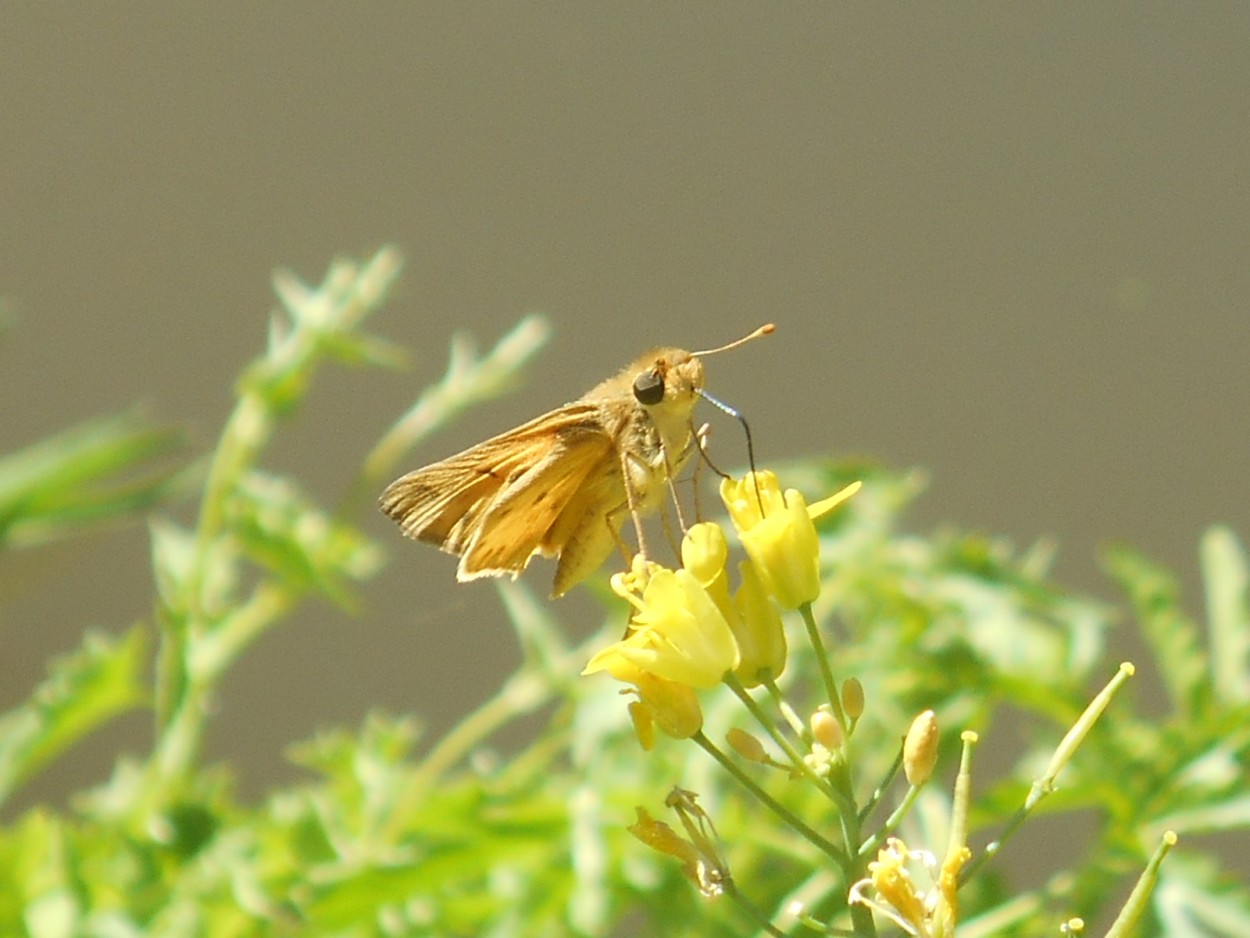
(698,442)
(631,503)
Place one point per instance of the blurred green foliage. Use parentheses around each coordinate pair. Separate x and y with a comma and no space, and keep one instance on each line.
(398,835)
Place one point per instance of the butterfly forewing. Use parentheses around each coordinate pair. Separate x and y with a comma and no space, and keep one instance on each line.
(494,504)
(518,522)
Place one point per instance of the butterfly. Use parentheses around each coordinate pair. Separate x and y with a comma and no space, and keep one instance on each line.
(562,484)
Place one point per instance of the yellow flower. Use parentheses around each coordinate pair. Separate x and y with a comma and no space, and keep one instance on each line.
(893,884)
(677,632)
(672,707)
(924,913)
(752,617)
(659,836)
(779,535)
(757,629)
(704,551)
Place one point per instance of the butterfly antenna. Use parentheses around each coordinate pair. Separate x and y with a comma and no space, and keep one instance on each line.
(766,329)
(746,429)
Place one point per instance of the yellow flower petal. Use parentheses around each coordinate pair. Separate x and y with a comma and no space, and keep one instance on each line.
(704,551)
(680,634)
(826,505)
(757,628)
(777,530)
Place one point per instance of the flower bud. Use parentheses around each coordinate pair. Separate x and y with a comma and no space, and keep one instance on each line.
(920,749)
(746,745)
(852,698)
(674,707)
(825,728)
(644,724)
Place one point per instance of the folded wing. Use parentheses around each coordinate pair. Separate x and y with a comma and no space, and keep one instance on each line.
(495,503)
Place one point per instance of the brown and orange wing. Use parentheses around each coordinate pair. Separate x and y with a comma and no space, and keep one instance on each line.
(494,503)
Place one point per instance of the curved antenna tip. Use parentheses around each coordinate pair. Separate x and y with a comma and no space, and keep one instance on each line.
(767,329)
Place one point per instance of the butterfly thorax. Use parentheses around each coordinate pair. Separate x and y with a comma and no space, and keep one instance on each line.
(656,437)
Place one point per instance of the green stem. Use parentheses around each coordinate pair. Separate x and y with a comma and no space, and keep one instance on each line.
(797,762)
(991,849)
(1138,902)
(822,659)
(879,792)
(198,643)
(873,843)
(246,430)
(522,693)
(751,909)
(825,846)
(1043,786)
(786,711)
(206,659)
(465,384)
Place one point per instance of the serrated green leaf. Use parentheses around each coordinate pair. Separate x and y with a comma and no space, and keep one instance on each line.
(99,681)
(39,877)
(1173,636)
(288,535)
(173,553)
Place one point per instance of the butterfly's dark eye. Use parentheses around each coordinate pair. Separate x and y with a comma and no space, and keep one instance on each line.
(649,388)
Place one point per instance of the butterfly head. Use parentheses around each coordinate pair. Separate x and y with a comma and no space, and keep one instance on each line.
(667,377)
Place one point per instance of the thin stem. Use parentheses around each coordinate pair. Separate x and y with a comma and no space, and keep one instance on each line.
(822,659)
(1043,786)
(873,843)
(798,763)
(198,643)
(465,383)
(752,910)
(522,693)
(825,846)
(879,792)
(206,658)
(991,849)
(786,711)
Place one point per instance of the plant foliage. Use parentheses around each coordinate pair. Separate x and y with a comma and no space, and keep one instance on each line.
(399,835)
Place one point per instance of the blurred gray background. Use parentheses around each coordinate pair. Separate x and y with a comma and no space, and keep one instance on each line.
(1007,243)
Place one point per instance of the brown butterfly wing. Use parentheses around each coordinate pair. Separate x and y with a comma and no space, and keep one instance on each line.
(494,503)
(517,523)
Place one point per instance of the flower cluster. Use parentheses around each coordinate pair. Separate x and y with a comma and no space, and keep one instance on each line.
(890,889)
(689,632)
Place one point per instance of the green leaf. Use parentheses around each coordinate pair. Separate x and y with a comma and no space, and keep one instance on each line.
(85,475)
(287,534)
(1172,635)
(100,680)
(364,349)
(1224,570)
(40,895)
(1194,898)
